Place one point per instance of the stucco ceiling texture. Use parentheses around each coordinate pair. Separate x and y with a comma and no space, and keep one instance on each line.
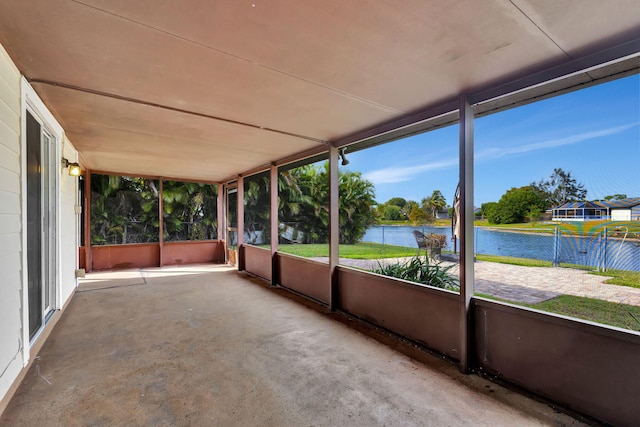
(202,89)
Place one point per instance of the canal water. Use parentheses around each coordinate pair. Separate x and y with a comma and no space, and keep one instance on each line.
(592,251)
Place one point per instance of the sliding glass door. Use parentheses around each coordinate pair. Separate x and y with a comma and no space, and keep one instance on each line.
(41,223)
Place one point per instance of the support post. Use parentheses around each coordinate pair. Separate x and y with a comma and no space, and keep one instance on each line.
(466,230)
(161,222)
(221,221)
(334,228)
(88,260)
(240,238)
(605,241)
(556,245)
(275,222)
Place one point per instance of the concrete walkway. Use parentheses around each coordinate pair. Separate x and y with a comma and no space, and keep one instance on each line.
(527,284)
(207,346)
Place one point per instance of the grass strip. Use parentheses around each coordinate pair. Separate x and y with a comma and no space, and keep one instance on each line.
(595,310)
(621,277)
(525,262)
(357,251)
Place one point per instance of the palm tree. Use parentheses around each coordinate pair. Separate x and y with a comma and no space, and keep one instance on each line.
(257,202)
(123,210)
(305,201)
(434,203)
(357,197)
(189,210)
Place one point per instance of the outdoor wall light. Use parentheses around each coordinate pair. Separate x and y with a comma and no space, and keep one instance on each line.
(345,162)
(74,168)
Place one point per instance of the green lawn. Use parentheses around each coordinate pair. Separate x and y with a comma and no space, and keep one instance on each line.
(526,262)
(609,313)
(595,310)
(621,277)
(528,227)
(357,251)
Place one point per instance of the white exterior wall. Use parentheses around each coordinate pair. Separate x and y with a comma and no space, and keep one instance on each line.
(11,292)
(14,341)
(69,220)
(620,214)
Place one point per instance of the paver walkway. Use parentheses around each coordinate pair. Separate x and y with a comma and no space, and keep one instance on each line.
(528,284)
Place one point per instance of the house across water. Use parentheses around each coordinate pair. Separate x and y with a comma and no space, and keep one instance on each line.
(615,210)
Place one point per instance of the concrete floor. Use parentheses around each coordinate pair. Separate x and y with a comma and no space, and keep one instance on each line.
(205,345)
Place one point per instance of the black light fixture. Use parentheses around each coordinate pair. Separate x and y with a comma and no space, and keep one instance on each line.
(342,155)
(74,168)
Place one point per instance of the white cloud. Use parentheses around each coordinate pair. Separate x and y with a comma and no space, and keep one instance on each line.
(400,174)
(393,175)
(493,153)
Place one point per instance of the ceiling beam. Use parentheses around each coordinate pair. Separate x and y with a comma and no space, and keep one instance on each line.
(174,109)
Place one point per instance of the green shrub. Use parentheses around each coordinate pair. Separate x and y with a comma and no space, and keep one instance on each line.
(418,270)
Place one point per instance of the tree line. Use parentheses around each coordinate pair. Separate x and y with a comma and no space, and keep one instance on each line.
(303,204)
(400,209)
(530,202)
(125,210)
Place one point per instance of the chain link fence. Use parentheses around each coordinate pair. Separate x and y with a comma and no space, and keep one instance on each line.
(608,249)
(616,248)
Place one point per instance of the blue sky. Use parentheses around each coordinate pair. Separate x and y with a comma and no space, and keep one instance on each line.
(593,133)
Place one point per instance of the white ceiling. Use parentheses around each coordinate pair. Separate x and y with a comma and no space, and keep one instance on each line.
(204,89)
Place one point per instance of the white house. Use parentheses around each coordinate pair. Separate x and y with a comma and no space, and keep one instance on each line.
(615,210)
(38,223)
